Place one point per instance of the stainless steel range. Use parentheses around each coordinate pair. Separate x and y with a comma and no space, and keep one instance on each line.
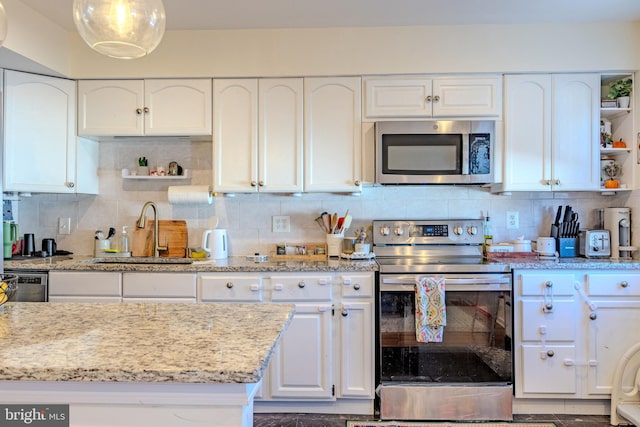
(468,375)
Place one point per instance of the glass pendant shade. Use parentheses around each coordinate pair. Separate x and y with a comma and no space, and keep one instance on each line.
(125,29)
(3,24)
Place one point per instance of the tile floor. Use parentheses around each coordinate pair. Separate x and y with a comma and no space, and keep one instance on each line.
(322,420)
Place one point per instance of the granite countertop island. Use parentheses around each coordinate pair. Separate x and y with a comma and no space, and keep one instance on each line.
(140,364)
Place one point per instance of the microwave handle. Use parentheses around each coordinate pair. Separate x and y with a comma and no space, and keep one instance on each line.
(465,154)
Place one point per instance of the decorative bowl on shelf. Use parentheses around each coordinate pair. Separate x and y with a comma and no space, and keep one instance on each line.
(8,287)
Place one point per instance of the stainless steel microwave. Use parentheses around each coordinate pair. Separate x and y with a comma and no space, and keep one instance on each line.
(435,152)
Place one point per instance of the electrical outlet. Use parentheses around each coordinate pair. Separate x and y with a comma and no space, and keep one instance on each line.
(513,220)
(64,225)
(281,224)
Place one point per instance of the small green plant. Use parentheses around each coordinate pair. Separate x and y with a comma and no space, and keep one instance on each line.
(142,161)
(622,87)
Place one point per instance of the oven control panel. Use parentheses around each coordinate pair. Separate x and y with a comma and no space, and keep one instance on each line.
(414,232)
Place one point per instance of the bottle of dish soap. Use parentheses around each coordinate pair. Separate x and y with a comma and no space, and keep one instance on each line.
(124,240)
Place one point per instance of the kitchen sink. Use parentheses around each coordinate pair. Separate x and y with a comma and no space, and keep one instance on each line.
(142,260)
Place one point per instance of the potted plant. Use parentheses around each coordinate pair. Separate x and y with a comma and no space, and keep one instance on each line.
(143,168)
(620,90)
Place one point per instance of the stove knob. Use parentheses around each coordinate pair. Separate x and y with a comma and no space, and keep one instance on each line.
(385,231)
(472,230)
(457,230)
(398,231)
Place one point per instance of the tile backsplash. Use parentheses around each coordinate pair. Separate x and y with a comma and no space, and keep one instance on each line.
(248,217)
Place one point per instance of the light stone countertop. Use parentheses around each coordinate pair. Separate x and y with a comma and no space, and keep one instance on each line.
(240,264)
(126,342)
(232,264)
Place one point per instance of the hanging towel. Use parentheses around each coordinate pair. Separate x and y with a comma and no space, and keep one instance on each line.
(431,314)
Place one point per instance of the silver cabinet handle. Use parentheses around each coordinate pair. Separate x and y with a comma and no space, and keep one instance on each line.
(345,312)
(254,184)
(557,182)
(550,353)
(71,184)
(138,111)
(593,316)
(301,284)
(146,109)
(548,284)
(260,183)
(436,98)
(548,306)
(624,284)
(356,286)
(229,285)
(357,183)
(429,98)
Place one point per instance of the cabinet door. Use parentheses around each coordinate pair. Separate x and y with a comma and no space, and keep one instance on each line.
(177,107)
(527,133)
(333,146)
(610,334)
(235,140)
(301,366)
(110,107)
(576,132)
(397,97)
(467,97)
(39,123)
(356,349)
(280,156)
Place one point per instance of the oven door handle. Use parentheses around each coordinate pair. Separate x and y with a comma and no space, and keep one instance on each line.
(457,284)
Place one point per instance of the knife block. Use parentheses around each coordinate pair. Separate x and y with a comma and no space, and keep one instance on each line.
(567,247)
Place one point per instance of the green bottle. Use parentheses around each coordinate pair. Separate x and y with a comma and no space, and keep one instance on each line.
(488,234)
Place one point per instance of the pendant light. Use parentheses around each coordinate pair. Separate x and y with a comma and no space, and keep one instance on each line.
(125,29)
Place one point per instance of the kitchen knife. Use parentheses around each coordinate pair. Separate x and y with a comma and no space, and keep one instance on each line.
(555,227)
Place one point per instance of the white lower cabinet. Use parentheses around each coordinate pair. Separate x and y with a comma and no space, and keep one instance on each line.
(85,286)
(327,352)
(158,287)
(570,330)
(356,319)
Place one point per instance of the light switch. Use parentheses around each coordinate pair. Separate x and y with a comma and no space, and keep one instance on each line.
(281,224)
(64,225)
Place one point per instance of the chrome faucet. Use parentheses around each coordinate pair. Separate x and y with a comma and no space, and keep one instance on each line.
(142,222)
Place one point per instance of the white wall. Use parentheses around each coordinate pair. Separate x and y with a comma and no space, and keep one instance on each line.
(347,51)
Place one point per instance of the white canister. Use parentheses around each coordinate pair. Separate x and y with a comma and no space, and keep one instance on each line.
(521,245)
(214,243)
(546,245)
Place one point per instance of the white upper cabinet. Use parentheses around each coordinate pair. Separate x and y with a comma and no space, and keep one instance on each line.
(258,135)
(551,132)
(332,129)
(144,107)
(422,97)
(41,151)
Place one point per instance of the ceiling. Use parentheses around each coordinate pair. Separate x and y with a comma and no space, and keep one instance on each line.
(251,14)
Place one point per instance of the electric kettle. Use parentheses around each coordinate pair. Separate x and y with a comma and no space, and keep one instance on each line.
(214,243)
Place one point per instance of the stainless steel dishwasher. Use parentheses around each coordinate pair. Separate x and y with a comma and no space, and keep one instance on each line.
(32,286)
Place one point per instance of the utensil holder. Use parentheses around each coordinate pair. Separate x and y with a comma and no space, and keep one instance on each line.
(334,244)
(567,247)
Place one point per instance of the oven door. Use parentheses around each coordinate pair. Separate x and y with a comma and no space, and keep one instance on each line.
(474,359)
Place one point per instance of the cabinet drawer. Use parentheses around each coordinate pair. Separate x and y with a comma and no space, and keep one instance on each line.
(614,284)
(356,285)
(558,324)
(301,288)
(161,285)
(246,288)
(542,373)
(540,283)
(85,283)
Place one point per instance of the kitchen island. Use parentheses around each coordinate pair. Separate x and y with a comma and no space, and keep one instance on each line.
(140,364)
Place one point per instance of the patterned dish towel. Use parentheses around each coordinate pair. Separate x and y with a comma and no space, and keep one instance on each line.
(431,314)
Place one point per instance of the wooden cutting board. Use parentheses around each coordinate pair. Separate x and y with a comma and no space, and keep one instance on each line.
(172,233)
